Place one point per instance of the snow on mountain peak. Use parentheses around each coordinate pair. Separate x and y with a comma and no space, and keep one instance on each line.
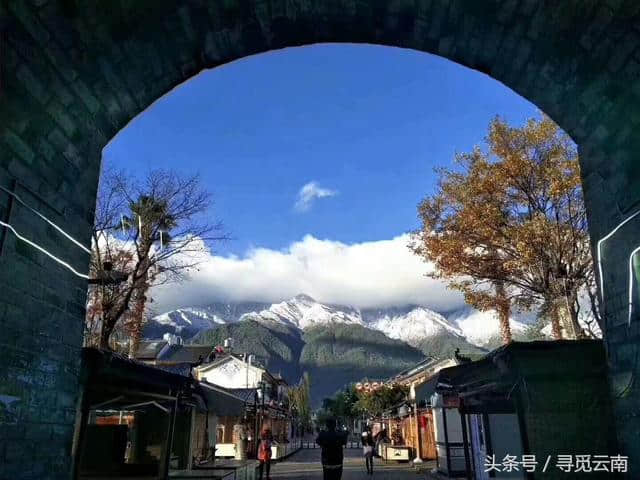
(303,298)
(411,324)
(303,311)
(418,324)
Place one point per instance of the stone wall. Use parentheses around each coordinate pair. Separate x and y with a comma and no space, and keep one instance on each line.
(73,73)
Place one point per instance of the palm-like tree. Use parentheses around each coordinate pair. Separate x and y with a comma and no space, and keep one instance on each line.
(148,230)
(152,225)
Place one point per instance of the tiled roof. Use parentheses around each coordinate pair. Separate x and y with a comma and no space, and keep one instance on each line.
(183,369)
(149,349)
(222,401)
(247,394)
(155,350)
(110,365)
(185,353)
(220,359)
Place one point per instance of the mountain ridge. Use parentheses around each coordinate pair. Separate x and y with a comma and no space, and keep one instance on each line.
(335,344)
(410,323)
(334,354)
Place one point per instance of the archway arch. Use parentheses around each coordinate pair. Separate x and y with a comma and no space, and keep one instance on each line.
(74,73)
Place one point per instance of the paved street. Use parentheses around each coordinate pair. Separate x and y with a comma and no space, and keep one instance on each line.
(306,465)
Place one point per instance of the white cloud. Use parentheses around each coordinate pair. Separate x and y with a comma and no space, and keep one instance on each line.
(309,193)
(370,274)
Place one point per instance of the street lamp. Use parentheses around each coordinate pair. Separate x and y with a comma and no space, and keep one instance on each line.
(412,397)
(294,418)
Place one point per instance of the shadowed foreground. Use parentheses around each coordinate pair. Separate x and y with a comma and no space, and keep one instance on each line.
(306,465)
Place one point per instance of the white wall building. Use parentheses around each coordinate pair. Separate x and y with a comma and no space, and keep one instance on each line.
(232,371)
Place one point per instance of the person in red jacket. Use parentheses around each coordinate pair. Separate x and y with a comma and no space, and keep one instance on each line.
(264,454)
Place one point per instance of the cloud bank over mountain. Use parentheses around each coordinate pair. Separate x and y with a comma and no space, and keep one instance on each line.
(372,274)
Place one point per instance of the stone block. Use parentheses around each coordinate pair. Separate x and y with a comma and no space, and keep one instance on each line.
(18,146)
(438,18)
(506,11)
(39,433)
(87,98)
(57,111)
(32,84)
(30,22)
(66,400)
(622,52)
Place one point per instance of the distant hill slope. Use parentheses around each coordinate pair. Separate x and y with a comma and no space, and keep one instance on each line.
(338,354)
(275,345)
(335,344)
(333,354)
(443,345)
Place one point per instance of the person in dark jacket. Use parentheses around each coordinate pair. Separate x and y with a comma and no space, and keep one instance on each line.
(332,442)
(368,444)
(379,438)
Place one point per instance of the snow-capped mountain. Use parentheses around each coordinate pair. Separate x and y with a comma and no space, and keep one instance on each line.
(411,324)
(188,322)
(303,312)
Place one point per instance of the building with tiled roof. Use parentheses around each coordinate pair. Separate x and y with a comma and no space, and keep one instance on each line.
(171,354)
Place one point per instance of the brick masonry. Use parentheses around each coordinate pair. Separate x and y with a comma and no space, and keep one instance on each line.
(73,73)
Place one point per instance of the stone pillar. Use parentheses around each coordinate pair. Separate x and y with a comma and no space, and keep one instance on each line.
(42,308)
(610,192)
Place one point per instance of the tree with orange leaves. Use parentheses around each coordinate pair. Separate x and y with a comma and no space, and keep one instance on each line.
(508,227)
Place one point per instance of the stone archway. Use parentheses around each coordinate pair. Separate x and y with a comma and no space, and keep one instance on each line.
(74,73)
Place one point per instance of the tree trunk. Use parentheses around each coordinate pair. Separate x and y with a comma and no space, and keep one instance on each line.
(139,304)
(137,320)
(105,332)
(135,333)
(556,328)
(503,308)
(572,317)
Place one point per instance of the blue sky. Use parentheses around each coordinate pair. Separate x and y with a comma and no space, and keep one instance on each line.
(366,123)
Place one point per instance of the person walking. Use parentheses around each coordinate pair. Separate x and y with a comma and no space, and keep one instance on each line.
(332,442)
(367,449)
(380,438)
(264,454)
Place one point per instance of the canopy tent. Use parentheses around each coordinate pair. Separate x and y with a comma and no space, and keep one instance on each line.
(159,408)
(112,382)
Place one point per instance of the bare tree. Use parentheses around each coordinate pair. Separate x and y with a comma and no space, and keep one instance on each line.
(154,231)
